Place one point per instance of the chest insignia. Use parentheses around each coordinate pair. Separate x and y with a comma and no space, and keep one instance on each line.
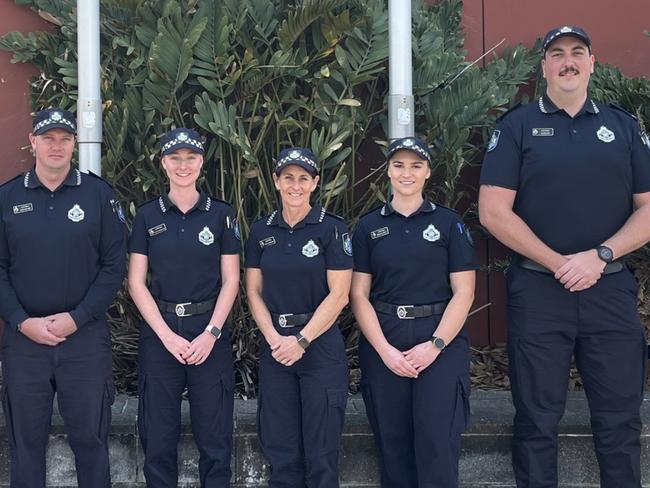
(206,236)
(605,135)
(542,132)
(347,244)
(377,233)
(22,208)
(76,213)
(158,229)
(645,139)
(310,249)
(494,140)
(269,241)
(431,234)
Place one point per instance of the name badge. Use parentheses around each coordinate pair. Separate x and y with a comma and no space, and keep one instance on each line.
(158,229)
(22,208)
(543,132)
(269,241)
(377,233)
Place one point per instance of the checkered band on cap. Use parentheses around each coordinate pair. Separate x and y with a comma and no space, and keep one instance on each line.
(296,156)
(182,138)
(55,118)
(411,145)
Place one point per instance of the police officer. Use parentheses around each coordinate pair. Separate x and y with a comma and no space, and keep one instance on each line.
(566,186)
(188,243)
(412,287)
(62,252)
(299,267)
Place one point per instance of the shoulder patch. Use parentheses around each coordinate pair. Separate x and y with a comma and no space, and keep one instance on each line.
(18,177)
(616,106)
(510,110)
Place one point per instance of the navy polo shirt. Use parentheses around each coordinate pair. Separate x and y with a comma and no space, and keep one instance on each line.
(184,249)
(410,258)
(574,177)
(294,260)
(61,250)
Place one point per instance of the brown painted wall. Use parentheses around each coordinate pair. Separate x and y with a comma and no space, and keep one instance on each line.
(15,120)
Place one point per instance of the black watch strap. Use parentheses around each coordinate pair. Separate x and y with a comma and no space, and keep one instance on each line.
(605,253)
(302,341)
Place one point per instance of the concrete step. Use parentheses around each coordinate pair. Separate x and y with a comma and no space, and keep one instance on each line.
(485,460)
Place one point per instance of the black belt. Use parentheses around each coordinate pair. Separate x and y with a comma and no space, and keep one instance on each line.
(610,268)
(286,320)
(186,309)
(410,311)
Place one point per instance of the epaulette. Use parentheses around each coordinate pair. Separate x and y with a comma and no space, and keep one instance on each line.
(440,205)
(511,109)
(154,199)
(90,173)
(17,177)
(338,217)
(372,210)
(621,109)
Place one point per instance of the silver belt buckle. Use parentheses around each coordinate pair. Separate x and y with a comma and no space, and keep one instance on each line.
(282,320)
(403,312)
(180,310)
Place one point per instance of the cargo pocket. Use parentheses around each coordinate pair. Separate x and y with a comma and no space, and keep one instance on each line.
(9,418)
(260,424)
(336,401)
(461,412)
(109,398)
(227,403)
(142,409)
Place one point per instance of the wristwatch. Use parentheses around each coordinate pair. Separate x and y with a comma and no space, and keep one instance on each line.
(438,342)
(302,341)
(605,253)
(214,330)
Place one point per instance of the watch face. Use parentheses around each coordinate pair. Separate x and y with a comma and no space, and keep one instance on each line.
(605,253)
(439,343)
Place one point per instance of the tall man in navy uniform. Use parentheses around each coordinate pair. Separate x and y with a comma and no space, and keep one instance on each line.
(62,259)
(566,185)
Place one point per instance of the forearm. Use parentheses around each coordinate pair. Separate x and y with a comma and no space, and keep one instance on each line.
(149,309)
(262,317)
(325,315)
(455,315)
(225,300)
(634,234)
(369,323)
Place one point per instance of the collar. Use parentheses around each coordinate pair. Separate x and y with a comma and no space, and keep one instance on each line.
(546,106)
(204,203)
(31,181)
(315,215)
(426,207)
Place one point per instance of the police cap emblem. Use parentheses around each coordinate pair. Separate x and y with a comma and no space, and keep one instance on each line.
(294,154)
(56,116)
(310,249)
(408,143)
(206,236)
(182,136)
(431,234)
(605,135)
(76,213)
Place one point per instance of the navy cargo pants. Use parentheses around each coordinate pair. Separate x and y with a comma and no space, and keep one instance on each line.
(417,423)
(301,409)
(601,326)
(210,389)
(79,371)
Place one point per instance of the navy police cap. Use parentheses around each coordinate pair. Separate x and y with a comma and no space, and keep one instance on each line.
(413,144)
(300,156)
(567,30)
(181,138)
(53,118)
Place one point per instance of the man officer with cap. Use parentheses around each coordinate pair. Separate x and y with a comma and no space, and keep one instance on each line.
(62,255)
(566,185)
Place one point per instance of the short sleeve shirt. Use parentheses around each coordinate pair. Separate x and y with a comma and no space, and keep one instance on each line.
(184,249)
(294,260)
(574,177)
(410,258)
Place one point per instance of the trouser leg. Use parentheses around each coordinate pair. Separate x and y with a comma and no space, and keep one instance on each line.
(611,356)
(161,380)
(28,392)
(279,415)
(211,397)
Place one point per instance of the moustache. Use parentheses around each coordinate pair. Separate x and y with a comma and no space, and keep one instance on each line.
(569,70)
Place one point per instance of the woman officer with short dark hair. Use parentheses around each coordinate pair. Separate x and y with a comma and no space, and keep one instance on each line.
(188,243)
(298,272)
(412,289)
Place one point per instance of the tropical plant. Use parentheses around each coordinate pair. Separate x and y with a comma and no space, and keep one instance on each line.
(258,75)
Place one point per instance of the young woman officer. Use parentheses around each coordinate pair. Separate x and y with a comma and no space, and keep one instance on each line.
(412,289)
(299,267)
(189,244)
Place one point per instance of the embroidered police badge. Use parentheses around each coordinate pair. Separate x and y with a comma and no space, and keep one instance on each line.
(494,140)
(605,135)
(236,230)
(347,244)
(310,249)
(464,230)
(645,139)
(206,237)
(431,234)
(117,209)
(76,214)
